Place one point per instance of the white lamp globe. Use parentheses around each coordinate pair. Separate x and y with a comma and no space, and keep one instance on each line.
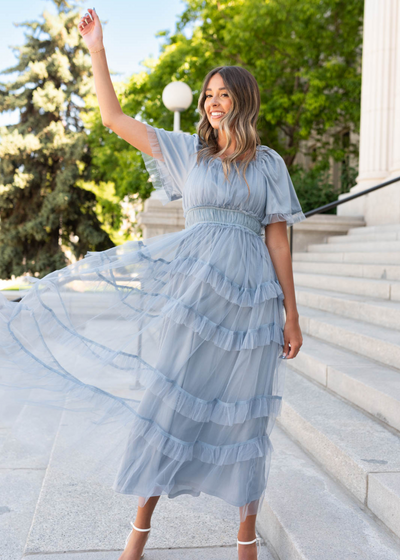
(177,96)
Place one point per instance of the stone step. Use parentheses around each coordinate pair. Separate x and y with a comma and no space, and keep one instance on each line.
(306,515)
(384,228)
(371,386)
(356,247)
(384,498)
(377,271)
(373,341)
(386,257)
(347,443)
(365,237)
(367,287)
(370,310)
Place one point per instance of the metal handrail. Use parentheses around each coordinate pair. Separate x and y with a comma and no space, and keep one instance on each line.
(335,203)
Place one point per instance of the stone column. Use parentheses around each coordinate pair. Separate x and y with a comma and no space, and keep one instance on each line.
(379,140)
(393,191)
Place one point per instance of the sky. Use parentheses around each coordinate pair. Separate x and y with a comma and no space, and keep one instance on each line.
(129,35)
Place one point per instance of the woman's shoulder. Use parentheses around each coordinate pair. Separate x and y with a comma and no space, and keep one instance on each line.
(270,162)
(268,151)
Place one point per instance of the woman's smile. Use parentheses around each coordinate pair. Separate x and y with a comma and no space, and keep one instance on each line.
(216,114)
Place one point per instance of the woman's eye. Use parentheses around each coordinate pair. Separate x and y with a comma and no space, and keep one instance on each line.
(209,95)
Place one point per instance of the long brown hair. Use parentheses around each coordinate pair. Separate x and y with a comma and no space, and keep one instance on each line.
(241,120)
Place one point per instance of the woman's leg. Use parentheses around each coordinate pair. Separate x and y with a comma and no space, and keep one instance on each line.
(143,514)
(247,532)
(137,540)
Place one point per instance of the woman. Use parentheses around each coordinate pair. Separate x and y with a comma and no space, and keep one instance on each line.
(173,345)
(231,111)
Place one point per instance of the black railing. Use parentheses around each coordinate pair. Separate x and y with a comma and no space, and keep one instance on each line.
(335,203)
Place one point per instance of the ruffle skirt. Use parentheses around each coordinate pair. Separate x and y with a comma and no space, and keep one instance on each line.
(168,351)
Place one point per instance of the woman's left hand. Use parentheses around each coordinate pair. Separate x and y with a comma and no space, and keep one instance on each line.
(292,336)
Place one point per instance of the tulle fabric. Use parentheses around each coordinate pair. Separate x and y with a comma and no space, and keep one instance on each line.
(168,351)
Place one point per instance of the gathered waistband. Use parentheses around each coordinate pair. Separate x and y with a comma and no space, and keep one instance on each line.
(226,216)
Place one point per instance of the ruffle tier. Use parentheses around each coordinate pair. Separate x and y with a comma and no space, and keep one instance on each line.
(219,335)
(223,286)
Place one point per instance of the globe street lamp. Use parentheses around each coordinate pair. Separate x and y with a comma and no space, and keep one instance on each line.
(177,97)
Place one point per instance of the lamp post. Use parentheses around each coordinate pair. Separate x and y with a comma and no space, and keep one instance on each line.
(177,97)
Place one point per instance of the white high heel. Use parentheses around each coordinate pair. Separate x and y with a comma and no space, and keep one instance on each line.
(137,529)
(257,540)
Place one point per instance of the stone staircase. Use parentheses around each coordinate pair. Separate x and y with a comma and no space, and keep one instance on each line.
(334,487)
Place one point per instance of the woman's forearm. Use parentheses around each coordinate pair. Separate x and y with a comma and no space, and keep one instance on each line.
(280,257)
(106,96)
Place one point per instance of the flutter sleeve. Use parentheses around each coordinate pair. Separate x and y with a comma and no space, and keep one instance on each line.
(282,203)
(174,155)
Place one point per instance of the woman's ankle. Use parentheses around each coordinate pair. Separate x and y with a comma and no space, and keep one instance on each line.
(141,523)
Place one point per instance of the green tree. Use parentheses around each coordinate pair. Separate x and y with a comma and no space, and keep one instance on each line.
(305,55)
(43,212)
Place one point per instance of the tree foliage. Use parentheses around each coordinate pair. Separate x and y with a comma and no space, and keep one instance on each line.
(43,212)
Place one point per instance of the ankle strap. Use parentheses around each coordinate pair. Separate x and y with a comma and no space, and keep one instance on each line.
(137,528)
(248,542)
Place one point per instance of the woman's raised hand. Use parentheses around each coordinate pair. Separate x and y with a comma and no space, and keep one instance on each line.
(90,28)
(112,116)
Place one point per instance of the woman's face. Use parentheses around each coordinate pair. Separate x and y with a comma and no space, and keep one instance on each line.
(217,102)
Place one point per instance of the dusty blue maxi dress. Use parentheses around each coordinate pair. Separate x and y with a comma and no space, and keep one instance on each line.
(169,348)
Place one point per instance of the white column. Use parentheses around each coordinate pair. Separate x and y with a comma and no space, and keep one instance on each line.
(395,139)
(379,140)
(393,191)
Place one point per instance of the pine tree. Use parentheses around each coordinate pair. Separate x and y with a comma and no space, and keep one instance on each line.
(43,213)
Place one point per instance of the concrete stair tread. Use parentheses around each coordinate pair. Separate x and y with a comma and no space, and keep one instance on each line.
(365,237)
(374,229)
(356,257)
(352,279)
(352,325)
(355,246)
(383,379)
(308,516)
(357,270)
(378,311)
(367,444)
(377,302)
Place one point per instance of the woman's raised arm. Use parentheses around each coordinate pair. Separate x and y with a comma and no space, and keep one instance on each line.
(112,116)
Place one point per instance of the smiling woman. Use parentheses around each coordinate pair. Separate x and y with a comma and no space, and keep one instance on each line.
(171,349)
